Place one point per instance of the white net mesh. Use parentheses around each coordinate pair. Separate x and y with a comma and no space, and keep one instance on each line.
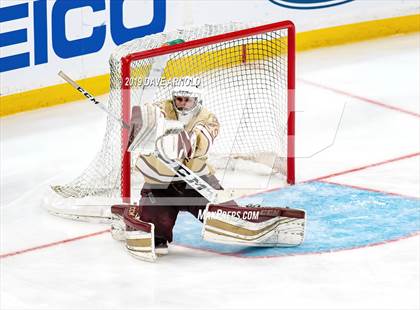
(245,86)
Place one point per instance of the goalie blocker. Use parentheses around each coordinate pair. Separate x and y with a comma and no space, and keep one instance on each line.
(228,223)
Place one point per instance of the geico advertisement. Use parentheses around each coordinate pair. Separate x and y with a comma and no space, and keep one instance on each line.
(43,36)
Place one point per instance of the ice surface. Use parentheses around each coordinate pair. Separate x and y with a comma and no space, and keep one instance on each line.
(43,146)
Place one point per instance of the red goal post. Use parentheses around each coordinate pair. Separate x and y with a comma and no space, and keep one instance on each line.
(126,96)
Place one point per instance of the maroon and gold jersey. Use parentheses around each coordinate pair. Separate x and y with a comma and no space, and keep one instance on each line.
(205,127)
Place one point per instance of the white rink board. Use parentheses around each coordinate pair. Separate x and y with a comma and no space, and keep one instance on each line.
(81,23)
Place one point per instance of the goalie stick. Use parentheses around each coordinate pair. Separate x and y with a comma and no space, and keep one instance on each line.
(91,98)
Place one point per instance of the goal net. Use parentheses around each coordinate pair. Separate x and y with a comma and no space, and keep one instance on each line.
(247,77)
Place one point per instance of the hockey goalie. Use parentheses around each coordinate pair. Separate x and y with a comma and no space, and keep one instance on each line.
(173,139)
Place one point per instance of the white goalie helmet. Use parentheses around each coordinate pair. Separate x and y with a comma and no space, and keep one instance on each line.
(186,100)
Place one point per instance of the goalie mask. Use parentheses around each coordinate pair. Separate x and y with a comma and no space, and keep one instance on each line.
(186,101)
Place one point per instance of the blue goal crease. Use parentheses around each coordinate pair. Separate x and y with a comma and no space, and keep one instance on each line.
(338,218)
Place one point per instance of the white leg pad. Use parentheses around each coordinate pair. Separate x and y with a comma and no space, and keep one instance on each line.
(263,227)
(141,245)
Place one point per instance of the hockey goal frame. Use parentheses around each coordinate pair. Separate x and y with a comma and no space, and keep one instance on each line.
(126,89)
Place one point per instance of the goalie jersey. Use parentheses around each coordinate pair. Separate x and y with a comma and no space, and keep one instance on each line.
(204,126)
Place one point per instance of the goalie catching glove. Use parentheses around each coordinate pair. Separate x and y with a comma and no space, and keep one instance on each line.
(149,130)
